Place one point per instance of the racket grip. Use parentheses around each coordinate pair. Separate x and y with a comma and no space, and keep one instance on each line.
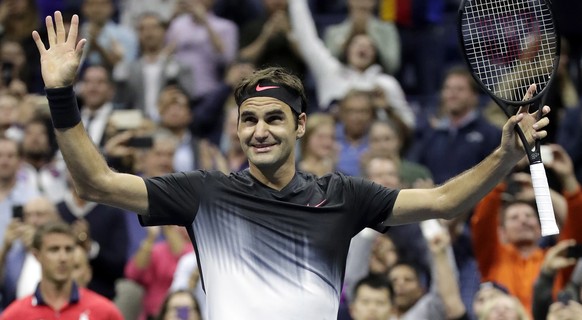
(543,199)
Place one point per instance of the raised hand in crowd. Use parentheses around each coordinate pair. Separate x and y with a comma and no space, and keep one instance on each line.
(556,258)
(570,311)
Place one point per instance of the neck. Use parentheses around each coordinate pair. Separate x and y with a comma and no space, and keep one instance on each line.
(6,185)
(55,294)
(36,162)
(151,54)
(526,249)
(277,178)
(179,132)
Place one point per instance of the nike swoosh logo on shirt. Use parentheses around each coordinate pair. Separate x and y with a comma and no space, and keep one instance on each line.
(259,88)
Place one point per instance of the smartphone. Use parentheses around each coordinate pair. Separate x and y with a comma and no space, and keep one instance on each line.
(141,142)
(17,212)
(574,251)
(546,154)
(126,119)
(183,313)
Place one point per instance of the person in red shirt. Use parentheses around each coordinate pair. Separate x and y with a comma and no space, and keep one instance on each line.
(57,295)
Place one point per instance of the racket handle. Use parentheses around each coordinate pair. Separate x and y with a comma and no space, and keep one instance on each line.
(543,199)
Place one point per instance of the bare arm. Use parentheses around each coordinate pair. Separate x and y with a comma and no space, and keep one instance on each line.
(93,179)
(461,193)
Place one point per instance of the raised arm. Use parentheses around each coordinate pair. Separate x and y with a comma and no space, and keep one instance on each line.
(93,179)
(461,193)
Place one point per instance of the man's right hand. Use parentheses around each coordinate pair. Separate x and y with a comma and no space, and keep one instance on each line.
(59,63)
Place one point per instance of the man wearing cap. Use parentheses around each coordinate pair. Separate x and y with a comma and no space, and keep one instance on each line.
(271,241)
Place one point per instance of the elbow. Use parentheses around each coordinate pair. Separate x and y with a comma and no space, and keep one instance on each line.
(445,207)
(92,190)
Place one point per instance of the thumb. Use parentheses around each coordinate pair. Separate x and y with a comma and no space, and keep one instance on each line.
(79,48)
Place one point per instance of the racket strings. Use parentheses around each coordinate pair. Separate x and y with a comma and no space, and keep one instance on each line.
(509,44)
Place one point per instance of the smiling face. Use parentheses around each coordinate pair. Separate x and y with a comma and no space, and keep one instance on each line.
(267,133)
(521,224)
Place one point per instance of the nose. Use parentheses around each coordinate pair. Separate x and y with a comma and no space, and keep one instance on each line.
(261,130)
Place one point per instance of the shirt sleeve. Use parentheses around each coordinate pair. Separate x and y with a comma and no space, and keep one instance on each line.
(374,203)
(173,199)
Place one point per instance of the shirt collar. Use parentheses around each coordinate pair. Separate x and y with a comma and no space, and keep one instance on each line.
(37,299)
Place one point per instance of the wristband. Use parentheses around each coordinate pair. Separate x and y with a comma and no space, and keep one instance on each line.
(63,106)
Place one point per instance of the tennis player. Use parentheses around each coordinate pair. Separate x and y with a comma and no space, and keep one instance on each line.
(271,241)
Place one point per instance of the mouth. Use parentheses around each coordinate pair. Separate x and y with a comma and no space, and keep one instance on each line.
(263,147)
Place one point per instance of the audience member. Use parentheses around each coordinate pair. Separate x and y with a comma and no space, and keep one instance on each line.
(9,117)
(372,299)
(204,42)
(504,307)
(14,191)
(361,19)
(267,41)
(130,11)
(506,245)
(179,305)
(154,68)
(487,292)
(154,264)
(19,270)
(187,277)
(57,293)
(335,79)
(17,76)
(82,272)
(318,145)
(570,137)
(108,42)
(230,144)
(570,311)
(102,231)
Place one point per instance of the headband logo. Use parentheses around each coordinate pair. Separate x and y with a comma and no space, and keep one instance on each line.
(259,88)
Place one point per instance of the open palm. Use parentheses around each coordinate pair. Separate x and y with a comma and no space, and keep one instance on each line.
(59,63)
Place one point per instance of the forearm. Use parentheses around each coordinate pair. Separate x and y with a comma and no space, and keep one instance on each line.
(542,296)
(143,256)
(214,39)
(447,286)
(255,49)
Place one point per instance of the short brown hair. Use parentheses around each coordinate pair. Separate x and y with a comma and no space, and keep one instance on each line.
(463,72)
(52,227)
(276,75)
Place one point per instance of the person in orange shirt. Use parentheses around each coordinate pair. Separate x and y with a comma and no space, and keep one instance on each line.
(511,255)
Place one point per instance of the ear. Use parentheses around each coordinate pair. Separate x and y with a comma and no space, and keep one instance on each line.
(301,122)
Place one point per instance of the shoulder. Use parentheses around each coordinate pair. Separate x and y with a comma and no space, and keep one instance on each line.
(19,309)
(222,23)
(96,302)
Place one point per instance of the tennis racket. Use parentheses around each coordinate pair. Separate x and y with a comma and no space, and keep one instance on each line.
(510,45)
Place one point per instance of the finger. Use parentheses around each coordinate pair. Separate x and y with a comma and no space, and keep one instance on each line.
(73,29)
(50,29)
(528,96)
(38,42)
(542,123)
(79,48)
(60,27)
(545,110)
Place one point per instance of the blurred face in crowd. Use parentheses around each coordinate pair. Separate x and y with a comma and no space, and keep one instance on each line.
(159,160)
(356,113)
(502,307)
(457,96)
(8,111)
(56,257)
(362,5)
(384,255)
(521,224)
(268,133)
(97,88)
(97,11)
(407,288)
(151,32)
(371,304)
(174,110)
(13,52)
(39,211)
(35,143)
(384,172)
(182,306)
(81,269)
(9,160)
(482,298)
(321,141)
(361,52)
(383,139)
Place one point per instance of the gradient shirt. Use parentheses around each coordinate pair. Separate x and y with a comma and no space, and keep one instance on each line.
(263,253)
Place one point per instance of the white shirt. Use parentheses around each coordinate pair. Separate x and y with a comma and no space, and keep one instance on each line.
(98,123)
(152,75)
(29,277)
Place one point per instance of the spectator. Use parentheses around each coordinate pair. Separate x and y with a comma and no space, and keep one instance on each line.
(14,191)
(45,172)
(179,305)
(355,116)
(82,272)
(362,19)
(17,77)
(506,245)
(555,260)
(570,137)
(97,91)
(372,299)
(131,11)
(230,143)
(187,277)
(108,42)
(487,292)
(267,41)
(204,42)
(154,264)
(155,68)
(57,293)
(9,117)
(102,231)
(570,311)
(19,269)
(318,145)
(335,79)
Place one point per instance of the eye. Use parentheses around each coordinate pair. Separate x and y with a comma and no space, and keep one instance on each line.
(274,119)
(248,120)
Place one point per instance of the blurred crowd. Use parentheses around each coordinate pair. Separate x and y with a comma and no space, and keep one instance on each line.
(389,100)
